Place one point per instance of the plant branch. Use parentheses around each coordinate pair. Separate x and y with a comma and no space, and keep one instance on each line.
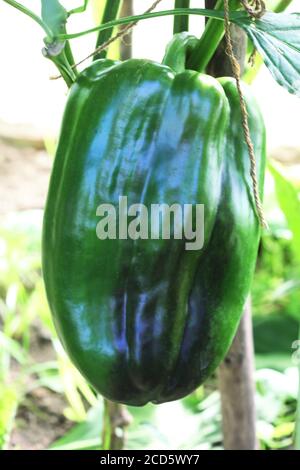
(33,16)
(218,15)
(181,23)
(116,419)
(81,9)
(110,14)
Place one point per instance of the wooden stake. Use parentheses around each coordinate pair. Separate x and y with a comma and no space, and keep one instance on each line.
(236,374)
(126,41)
(236,384)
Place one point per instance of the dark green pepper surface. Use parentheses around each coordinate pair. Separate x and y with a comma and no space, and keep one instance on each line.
(147,320)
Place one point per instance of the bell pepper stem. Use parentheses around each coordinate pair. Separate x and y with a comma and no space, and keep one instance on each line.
(65,69)
(209,40)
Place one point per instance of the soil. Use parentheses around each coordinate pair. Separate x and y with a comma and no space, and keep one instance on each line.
(40,418)
(24,175)
(39,421)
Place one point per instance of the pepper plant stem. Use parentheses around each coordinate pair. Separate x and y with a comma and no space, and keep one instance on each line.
(115,420)
(181,23)
(110,14)
(80,9)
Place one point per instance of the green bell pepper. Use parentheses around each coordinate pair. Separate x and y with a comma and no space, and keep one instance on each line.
(148,320)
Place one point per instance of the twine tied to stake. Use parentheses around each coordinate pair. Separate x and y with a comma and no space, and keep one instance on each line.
(257,9)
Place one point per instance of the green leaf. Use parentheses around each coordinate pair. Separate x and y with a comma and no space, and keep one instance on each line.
(83,436)
(289,203)
(8,407)
(273,338)
(297,424)
(276,36)
(12,347)
(273,389)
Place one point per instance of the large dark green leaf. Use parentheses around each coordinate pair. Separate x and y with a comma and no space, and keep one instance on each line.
(273,338)
(277,38)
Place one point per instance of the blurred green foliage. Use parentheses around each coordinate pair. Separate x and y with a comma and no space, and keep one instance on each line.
(23,308)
